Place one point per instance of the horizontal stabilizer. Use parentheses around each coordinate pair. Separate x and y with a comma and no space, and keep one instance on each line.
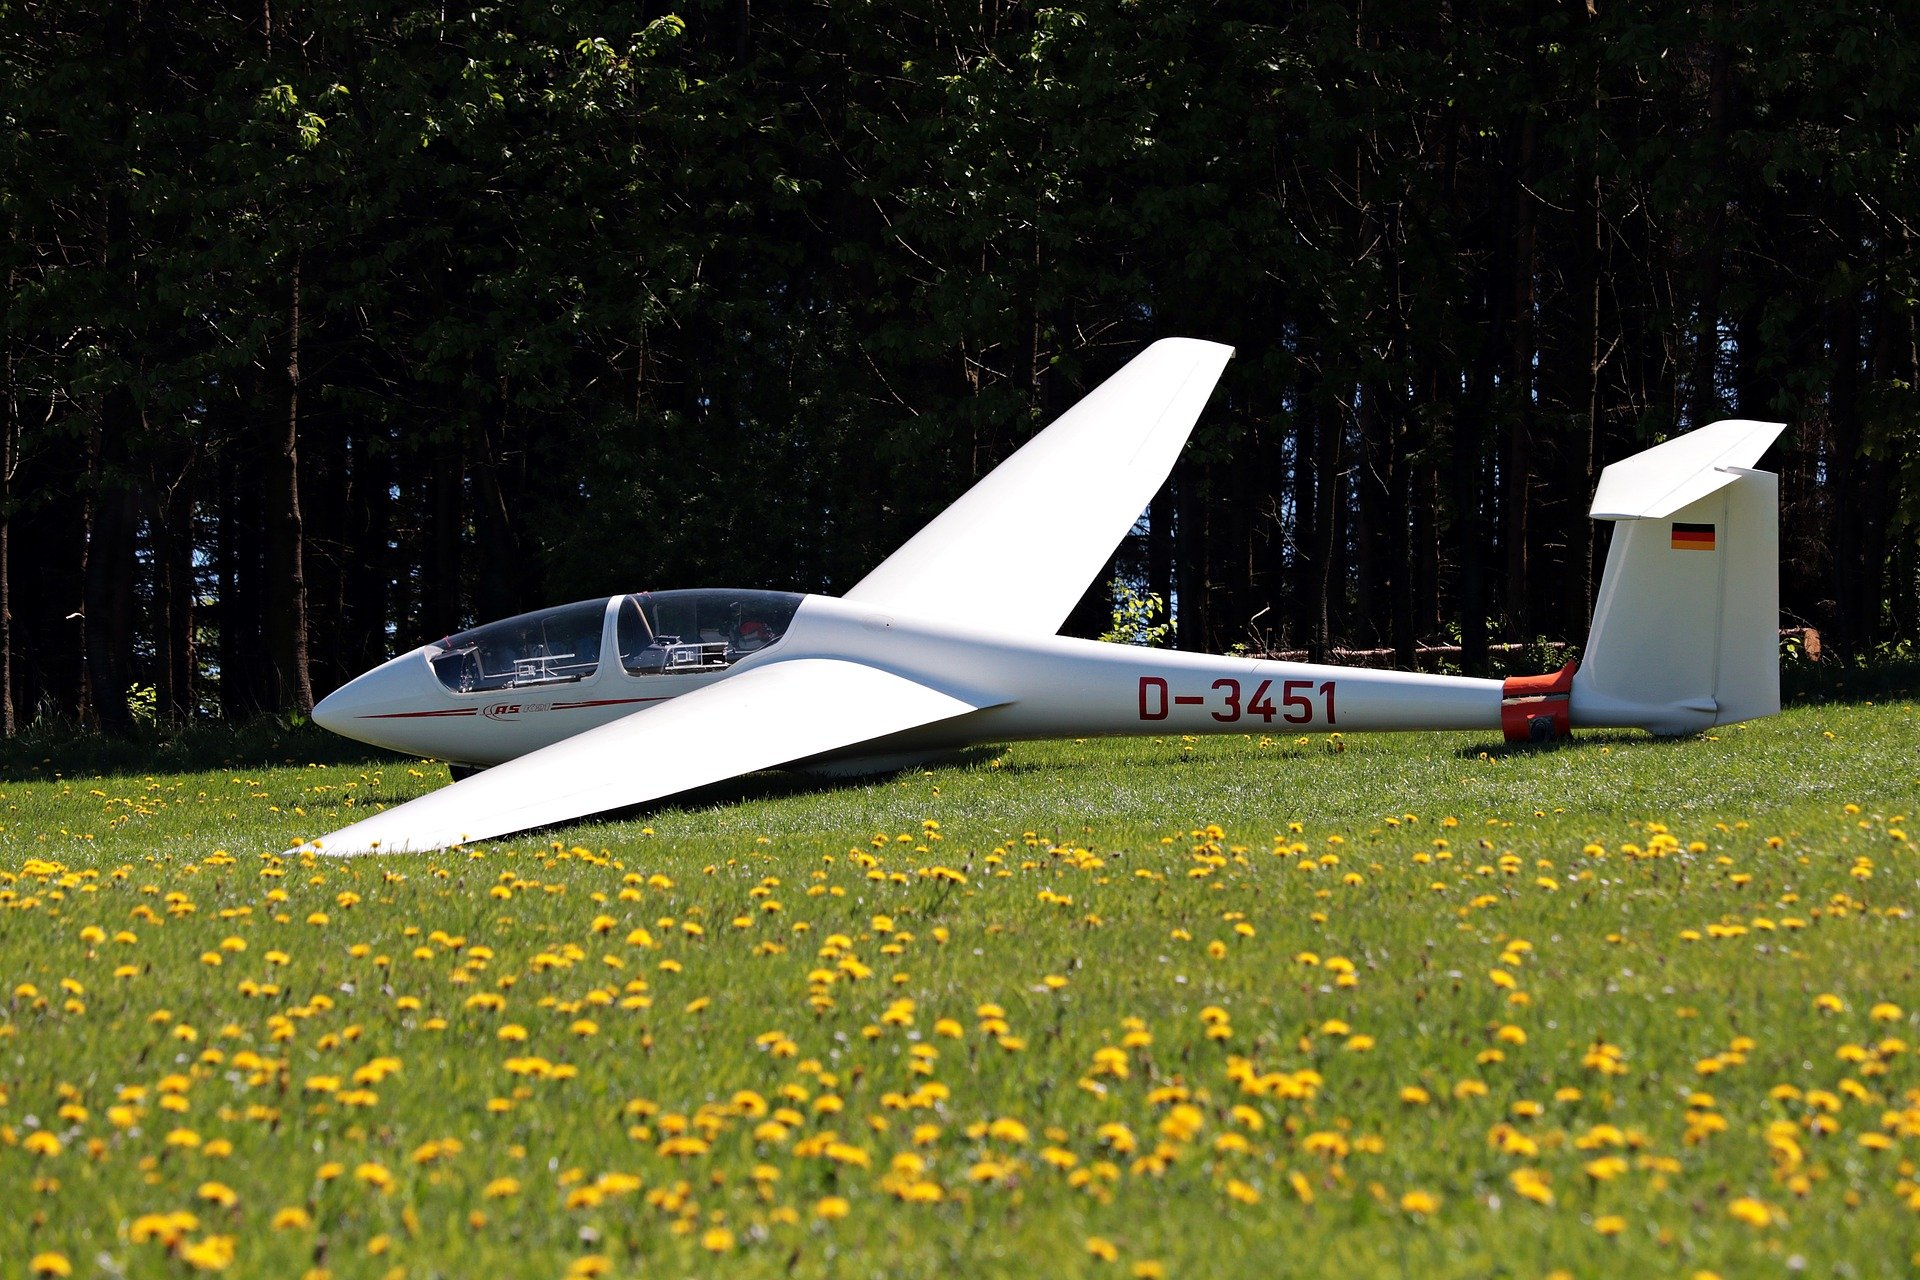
(756,719)
(1654,484)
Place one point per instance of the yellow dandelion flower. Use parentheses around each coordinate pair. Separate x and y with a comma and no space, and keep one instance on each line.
(214,1253)
(1424,1203)
(218,1193)
(1605,1168)
(1531,1184)
(375,1175)
(1007,1129)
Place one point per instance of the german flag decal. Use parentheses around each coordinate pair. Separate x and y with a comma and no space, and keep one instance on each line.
(1692,537)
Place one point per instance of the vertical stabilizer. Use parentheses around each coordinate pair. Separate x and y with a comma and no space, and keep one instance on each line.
(1686,627)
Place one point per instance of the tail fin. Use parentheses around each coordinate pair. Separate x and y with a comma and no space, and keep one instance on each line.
(1686,628)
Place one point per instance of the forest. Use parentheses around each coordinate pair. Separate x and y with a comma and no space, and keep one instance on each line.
(330,328)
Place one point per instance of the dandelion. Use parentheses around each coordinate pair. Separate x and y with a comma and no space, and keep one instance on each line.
(1007,1130)
(1605,1168)
(214,1253)
(1757,1214)
(1424,1203)
(1531,1184)
(1101,1249)
(374,1175)
(49,1264)
(218,1193)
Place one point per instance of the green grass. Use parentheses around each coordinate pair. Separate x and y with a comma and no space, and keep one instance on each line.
(1688,903)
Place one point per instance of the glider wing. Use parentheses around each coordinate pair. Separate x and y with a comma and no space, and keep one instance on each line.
(1023,544)
(754,720)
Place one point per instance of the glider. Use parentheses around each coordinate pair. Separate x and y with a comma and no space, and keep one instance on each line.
(605,704)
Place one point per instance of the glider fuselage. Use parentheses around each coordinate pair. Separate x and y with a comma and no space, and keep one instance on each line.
(1027,687)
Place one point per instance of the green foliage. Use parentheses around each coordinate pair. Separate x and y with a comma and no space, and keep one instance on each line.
(593,301)
(1139,617)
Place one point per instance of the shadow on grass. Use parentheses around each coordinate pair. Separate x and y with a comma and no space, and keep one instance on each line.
(1802,684)
(1810,683)
(771,784)
(46,750)
(49,749)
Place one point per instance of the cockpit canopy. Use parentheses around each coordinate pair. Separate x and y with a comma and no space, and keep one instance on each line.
(654,633)
(683,631)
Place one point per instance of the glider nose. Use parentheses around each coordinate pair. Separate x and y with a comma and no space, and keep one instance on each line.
(331,713)
(390,695)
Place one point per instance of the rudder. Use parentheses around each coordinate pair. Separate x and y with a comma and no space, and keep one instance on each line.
(1686,626)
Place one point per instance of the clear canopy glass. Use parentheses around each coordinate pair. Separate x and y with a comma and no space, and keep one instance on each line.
(550,646)
(657,633)
(703,630)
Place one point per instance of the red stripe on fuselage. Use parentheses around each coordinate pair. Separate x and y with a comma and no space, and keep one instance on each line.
(420,715)
(472,711)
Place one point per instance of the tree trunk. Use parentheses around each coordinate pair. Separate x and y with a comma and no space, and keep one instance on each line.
(286,576)
(1516,487)
(9,435)
(170,543)
(1374,521)
(1584,360)
(440,594)
(107,596)
(1703,401)
(367,604)
(498,472)
(1160,546)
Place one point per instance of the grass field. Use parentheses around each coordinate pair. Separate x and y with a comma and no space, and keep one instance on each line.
(1282,1007)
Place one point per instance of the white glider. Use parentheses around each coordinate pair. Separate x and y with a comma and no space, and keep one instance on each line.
(605,704)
